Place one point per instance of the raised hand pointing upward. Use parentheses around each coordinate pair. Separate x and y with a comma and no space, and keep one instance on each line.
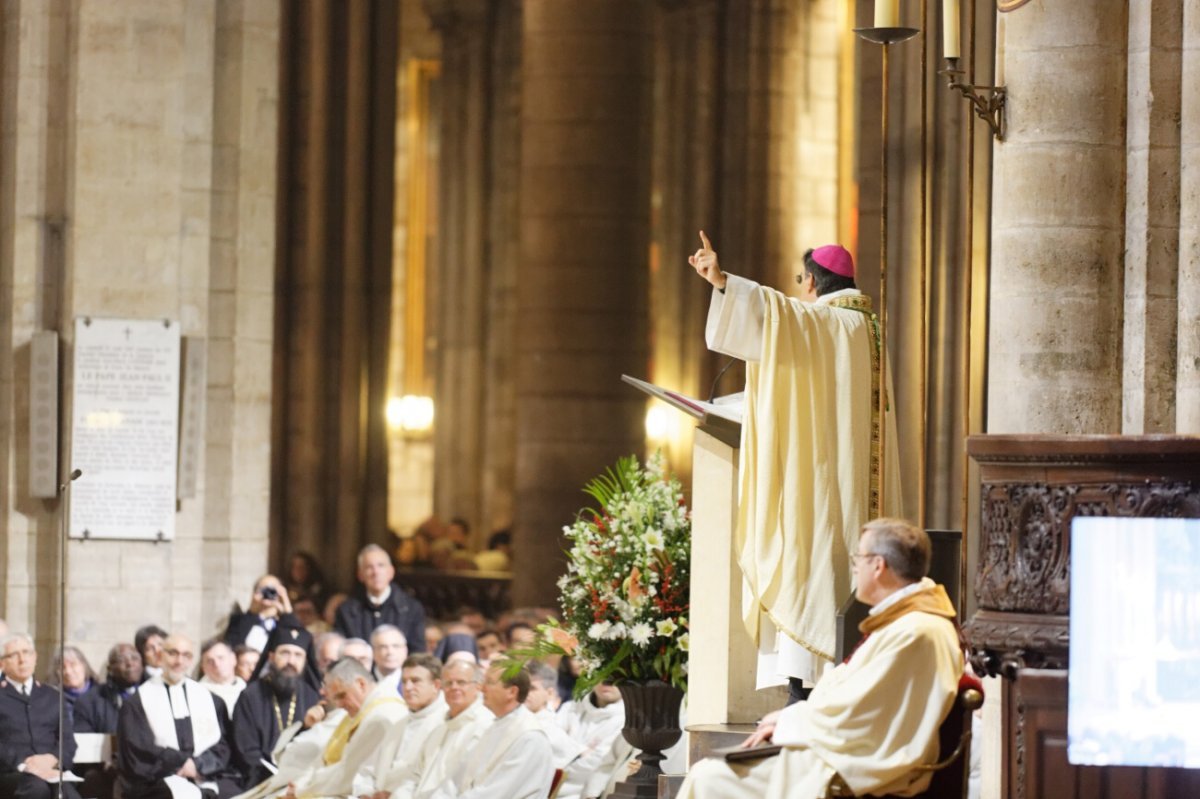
(705,263)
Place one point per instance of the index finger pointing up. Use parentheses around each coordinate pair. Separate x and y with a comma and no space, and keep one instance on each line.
(705,241)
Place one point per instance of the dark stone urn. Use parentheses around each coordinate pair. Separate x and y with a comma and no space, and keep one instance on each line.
(651,725)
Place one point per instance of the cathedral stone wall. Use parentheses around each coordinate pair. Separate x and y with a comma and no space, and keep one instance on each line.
(139,150)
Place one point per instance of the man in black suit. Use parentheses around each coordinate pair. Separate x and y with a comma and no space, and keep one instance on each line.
(378,600)
(96,711)
(29,727)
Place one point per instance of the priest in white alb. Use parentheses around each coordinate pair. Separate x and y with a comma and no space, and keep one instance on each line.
(810,466)
(872,722)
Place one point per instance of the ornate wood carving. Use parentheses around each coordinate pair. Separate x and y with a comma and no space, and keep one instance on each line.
(1025,535)
(1031,489)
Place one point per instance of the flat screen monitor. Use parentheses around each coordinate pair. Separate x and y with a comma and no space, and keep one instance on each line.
(1134,696)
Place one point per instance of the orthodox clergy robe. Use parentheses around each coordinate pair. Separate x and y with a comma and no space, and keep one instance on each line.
(159,728)
(872,720)
(445,749)
(397,757)
(299,752)
(809,465)
(350,754)
(513,759)
(258,719)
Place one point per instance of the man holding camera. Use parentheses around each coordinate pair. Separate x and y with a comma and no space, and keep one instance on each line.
(253,628)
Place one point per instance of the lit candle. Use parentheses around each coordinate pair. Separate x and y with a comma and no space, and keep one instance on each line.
(887,13)
(1001,23)
(950,41)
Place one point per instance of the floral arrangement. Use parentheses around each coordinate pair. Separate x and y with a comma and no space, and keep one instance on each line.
(625,594)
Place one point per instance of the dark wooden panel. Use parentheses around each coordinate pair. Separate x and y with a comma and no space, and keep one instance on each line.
(1031,489)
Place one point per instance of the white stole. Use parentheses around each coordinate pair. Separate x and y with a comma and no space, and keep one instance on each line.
(206,732)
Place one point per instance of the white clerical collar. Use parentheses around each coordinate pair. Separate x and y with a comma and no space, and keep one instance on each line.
(924,585)
(437,706)
(512,714)
(825,299)
(380,599)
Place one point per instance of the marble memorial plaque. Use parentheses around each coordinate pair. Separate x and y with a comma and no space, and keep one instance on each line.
(125,428)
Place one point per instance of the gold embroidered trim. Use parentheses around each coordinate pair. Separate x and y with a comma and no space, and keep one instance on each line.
(862,304)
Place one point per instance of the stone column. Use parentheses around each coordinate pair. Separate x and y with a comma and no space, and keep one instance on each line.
(1152,218)
(138,167)
(500,420)
(1054,359)
(1187,392)
(581,288)
(463,259)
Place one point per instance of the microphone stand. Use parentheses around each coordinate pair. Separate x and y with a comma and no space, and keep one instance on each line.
(64,507)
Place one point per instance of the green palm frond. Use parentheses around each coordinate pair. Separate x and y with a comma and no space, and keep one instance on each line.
(615,481)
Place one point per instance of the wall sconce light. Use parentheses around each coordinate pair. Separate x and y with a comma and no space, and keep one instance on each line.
(659,423)
(988,101)
(410,415)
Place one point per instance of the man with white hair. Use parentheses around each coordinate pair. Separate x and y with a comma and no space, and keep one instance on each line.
(358,649)
(452,741)
(378,600)
(389,649)
(29,727)
(543,682)
(172,735)
(328,645)
(353,748)
(513,758)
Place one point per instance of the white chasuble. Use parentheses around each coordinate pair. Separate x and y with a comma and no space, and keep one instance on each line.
(872,720)
(805,466)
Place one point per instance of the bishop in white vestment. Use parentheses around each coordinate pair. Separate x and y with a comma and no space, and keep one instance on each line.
(810,465)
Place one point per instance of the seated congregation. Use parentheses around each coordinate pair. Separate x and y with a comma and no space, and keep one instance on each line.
(269,709)
(336,715)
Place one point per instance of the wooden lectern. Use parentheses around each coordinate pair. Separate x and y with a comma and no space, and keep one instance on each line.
(723,658)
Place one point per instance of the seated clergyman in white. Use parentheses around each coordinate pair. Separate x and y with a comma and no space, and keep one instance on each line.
(595,723)
(354,745)
(389,648)
(543,691)
(217,662)
(453,741)
(874,719)
(421,683)
(513,758)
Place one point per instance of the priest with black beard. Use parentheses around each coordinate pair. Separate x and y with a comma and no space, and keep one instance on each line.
(271,704)
(172,741)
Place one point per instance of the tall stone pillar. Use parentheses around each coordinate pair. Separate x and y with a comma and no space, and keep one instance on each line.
(461,275)
(1152,218)
(138,166)
(1187,392)
(581,288)
(1054,356)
